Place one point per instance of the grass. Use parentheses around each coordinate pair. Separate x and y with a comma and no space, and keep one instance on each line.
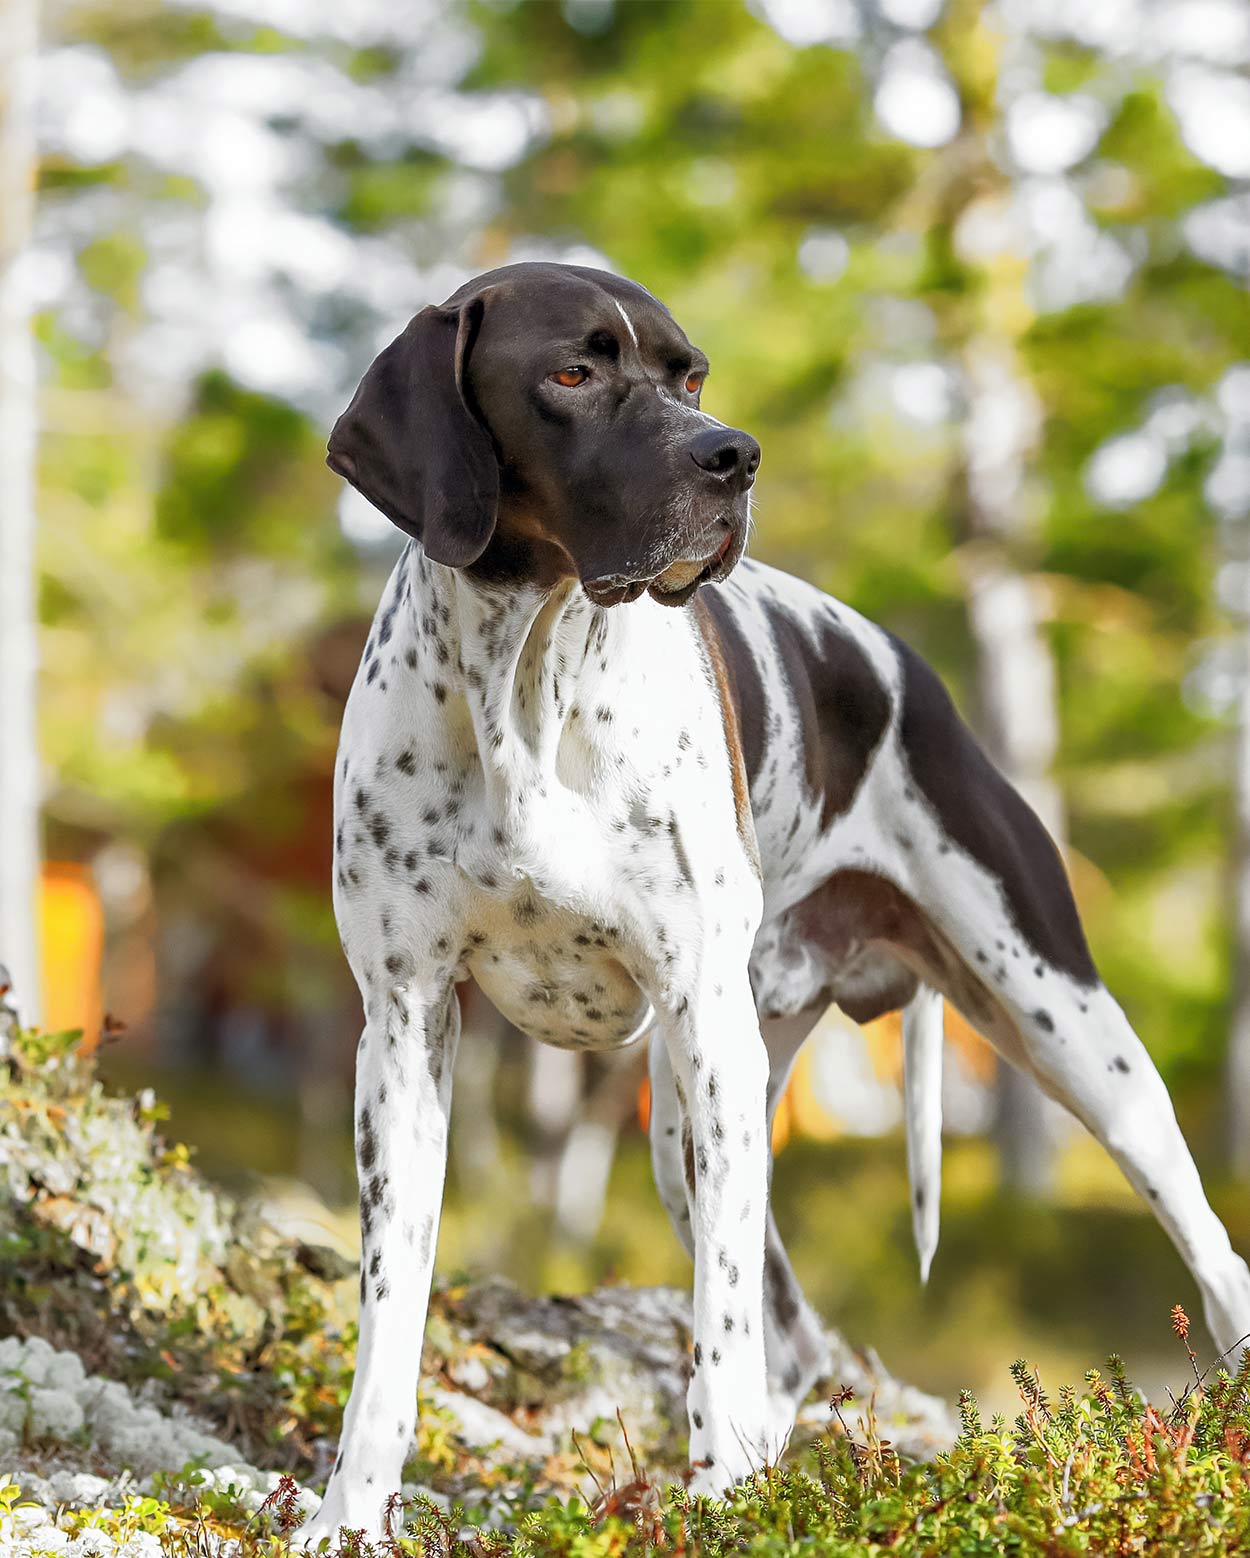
(1093,1471)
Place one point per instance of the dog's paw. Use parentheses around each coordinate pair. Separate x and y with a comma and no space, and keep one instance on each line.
(329,1529)
(715,1478)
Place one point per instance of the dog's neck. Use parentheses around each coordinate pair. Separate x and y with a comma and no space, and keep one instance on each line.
(527,661)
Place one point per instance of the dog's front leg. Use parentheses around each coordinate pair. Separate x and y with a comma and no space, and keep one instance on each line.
(403,1102)
(720,1069)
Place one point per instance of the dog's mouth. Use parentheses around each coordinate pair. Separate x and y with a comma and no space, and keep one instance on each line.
(676,584)
(680,580)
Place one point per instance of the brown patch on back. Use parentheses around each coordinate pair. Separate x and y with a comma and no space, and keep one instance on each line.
(733,734)
(990,821)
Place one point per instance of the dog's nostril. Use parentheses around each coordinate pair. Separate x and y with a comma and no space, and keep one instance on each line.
(718,460)
(725,452)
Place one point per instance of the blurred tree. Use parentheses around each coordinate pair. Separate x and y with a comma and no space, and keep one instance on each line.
(19,749)
(981,303)
(747,163)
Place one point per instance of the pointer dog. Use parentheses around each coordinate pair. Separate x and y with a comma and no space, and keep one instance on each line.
(705,824)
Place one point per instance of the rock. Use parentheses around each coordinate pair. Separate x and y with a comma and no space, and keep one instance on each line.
(325,1263)
(567,1365)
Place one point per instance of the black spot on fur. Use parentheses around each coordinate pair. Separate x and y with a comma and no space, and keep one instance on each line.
(778,1284)
(367,1147)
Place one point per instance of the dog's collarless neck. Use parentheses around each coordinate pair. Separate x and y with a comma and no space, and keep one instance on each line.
(528,661)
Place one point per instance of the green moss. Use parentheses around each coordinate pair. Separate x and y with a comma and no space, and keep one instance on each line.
(1094,1471)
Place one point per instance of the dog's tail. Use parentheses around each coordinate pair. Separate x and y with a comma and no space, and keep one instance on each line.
(923,1033)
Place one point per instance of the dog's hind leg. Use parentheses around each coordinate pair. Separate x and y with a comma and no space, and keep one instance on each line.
(403,1102)
(1093,1063)
(794,1338)
(665,1132)
(1010,951)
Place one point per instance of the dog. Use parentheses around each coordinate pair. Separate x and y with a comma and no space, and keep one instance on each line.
(632,782)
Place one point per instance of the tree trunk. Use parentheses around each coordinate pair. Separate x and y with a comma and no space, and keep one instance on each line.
(1238,1062)
(1016,680)
(19,753)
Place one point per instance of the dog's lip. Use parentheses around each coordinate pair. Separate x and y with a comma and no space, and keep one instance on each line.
(719,566)
(616,589)
(721,553)
(613,589)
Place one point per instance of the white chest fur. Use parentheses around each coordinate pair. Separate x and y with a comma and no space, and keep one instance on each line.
(535,791)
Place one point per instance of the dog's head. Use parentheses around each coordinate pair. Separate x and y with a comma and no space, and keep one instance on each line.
(550,414)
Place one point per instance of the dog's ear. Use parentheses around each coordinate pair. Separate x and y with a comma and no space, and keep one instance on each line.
(411,443)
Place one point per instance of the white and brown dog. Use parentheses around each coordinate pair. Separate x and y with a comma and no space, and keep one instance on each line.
(704,825)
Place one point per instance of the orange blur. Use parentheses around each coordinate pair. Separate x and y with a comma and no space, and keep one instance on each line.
(71,925)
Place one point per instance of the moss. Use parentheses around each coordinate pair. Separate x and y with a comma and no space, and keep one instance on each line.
(1093,1471)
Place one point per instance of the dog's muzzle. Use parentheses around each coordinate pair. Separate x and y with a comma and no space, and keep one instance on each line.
(728,460)
(676,583)
(680,580)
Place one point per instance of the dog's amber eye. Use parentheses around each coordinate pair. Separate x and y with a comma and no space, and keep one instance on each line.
(570,377)
(694,382)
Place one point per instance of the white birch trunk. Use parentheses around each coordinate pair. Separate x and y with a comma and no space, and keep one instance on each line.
(19,753)
(1016,681)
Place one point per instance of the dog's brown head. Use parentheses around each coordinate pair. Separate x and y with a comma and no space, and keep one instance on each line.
(545,422)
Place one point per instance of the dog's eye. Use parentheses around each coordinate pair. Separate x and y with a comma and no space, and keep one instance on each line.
(694,382)
(570,378)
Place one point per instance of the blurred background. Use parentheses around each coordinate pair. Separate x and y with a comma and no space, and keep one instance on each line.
(976,277)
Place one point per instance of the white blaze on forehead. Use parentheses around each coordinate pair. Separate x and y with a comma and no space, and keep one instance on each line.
(629,324)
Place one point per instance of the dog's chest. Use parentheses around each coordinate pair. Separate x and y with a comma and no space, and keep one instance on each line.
(571,904)
(560,865)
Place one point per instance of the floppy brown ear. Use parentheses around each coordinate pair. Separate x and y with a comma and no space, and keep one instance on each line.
(411,444)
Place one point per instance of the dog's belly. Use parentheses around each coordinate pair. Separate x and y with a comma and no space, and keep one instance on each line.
(560,981)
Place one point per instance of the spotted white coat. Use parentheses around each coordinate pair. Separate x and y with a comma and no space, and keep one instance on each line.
(551,797)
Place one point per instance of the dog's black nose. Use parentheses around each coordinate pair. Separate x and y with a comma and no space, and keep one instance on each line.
(728,454)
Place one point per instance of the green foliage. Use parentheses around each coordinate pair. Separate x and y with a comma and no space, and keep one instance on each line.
(237,473)
(189,552)
(1098,1471)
